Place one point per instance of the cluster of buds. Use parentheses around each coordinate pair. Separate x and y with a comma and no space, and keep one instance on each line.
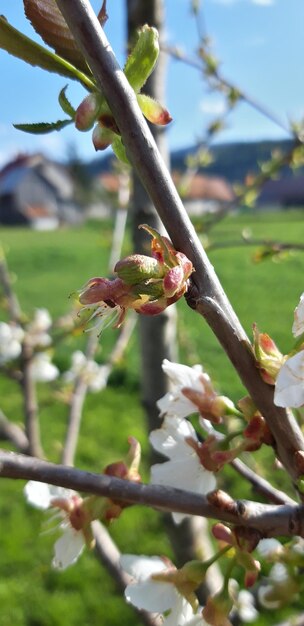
(94,110)
(242,541)
(148,285)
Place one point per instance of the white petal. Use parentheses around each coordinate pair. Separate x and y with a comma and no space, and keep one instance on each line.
(176,404)
(246,608)
(40,495)
(298,325)
(289,388)
(170,438)
(42,370)
(181,614)
(151,595)
(142,567)
(182,375)
(186,473)
(68,548)
(268,548)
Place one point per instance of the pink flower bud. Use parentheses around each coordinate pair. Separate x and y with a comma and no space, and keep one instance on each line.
(87,112)
(102,137)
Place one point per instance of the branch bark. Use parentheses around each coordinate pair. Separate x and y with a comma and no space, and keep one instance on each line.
(268,520)
(207,295)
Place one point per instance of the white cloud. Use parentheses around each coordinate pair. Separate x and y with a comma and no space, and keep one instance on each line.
(209,106)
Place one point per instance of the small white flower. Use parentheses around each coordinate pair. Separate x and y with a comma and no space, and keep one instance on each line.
(94,375)
(42,370)
(184,469)
(37,334)
(298,324)
(69,546)
(153,595)
(269,548)
(289,387)
(175,402)
(246,608)
(11,337)
(243,602)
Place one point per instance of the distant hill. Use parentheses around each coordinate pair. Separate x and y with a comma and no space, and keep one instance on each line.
(232,161)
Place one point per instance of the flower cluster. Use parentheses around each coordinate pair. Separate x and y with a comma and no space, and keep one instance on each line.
(148,285)
(94,375)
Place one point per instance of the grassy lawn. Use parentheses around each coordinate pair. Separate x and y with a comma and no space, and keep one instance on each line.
(48,267)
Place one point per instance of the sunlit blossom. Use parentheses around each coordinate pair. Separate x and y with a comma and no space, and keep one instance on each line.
(177,440)
(158,596)
(11,337)
(94,375)
(289,388)
(298,324)
(42,369)
(38,327)
(73,524)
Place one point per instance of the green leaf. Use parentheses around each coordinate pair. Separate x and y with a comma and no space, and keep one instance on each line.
(65,103)
(42,128)
(22,47)
(119,150)
(143,57)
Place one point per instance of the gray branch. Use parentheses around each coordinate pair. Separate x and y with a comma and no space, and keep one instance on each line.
(207,295)
(268,520)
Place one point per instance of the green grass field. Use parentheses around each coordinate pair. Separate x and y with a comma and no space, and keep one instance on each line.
(48,267)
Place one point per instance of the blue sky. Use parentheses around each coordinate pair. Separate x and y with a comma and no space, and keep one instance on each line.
(259,42)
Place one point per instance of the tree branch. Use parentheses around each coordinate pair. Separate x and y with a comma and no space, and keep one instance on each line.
(269,520)
(208,297)
(13,433)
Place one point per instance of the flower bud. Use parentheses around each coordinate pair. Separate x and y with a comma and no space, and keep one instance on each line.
(102,137)
(87,112)
(268,356)
(137,268)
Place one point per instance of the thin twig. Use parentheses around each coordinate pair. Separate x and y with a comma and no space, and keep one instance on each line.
(5,281)
(81,387)
(266,519)
(207,296)
(32,426)
(261,485)
(13,433)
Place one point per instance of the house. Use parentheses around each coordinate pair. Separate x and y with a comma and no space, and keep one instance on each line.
(284,192)
(203,193)
(37,192)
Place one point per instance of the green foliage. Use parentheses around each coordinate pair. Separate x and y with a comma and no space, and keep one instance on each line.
(42,128)
(22,47)
(49,266)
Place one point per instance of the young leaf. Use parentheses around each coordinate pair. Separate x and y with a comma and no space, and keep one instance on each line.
(49,23)
(42,128)
(65,103)
(119,150)
(141,61)
(22,47)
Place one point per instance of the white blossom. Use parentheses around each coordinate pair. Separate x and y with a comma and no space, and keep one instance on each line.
(42,370)
(269,548)
(69,546)
(94,375)
(177,440)
(289,387)
(37,334)
(298,324)
(156,596)
(175,402)
(11,337)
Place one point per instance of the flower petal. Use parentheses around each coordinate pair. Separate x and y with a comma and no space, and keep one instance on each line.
(289,388)
(68,548)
